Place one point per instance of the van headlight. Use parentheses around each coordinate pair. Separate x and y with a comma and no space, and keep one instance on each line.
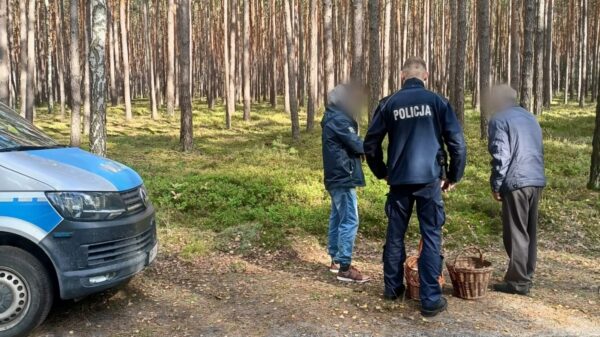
(87,206)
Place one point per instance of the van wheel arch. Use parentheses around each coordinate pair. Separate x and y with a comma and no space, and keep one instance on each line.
(14,240)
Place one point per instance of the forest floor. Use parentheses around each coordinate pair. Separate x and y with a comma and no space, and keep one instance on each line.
(243,221)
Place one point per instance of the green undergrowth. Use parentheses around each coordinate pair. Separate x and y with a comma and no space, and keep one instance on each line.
(253,187)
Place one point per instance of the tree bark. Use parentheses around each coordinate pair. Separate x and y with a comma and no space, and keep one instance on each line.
(594,182)
(461,47)
(538,96)
(98,24)
(230,108)
(374,57)
(171,59)
(387,25)
(515,43)
(548,57)
(328,37)
(150,58)
(125,51)
(87,94)
(313,63)
(357,46)
(246,61)
(4,54)
(23,56)
(75,75)
(528,46)
(483,25)
(583,55)
(273,88)
(49,47)
(291,55)
(185,102)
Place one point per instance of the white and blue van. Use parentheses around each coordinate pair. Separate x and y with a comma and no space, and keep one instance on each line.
(71,224)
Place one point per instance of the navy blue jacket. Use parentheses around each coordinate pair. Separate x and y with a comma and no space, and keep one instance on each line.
(342,149)
(515,143)
(418,123)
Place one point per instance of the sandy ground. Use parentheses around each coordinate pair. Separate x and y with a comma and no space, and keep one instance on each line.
(291,293)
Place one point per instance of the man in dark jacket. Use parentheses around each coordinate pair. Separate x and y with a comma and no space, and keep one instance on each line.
(418,124)
(517,180)
(342,152)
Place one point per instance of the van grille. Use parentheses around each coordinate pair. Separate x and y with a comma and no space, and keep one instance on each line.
(133,202)
(111,251)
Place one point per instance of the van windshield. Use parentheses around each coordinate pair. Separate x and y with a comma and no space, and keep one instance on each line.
(16,133)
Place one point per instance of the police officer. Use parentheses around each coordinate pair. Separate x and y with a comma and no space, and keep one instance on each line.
(420,125)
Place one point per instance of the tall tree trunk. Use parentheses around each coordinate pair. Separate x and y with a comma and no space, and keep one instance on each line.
(75,75)
(548,57)
(538,82)
(185,102)
(230,108)
(594,182)
(60,57)
(515,43)
(23,56)
(98,25)
(461,47)
(114,61)
(150,58)
(357,45)
(453,52)
(125,50)
(87,94)
(387,24)
(328,37)
(483,25)
(313,63)
(583,61)
(246,61)
(4,54)
(374,57)
(274,49)
(171,59)
(291,55)
(528,45)
(49,47)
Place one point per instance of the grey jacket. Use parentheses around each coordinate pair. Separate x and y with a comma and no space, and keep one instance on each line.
(515,143)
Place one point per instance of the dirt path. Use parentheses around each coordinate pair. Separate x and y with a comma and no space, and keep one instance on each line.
(290,294)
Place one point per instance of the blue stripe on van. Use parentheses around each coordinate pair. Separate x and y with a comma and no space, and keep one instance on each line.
(121,176)
(39,213)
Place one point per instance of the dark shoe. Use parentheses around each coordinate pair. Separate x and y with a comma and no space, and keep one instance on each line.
(392,295)
(435,310)
(352,275)
(508,289)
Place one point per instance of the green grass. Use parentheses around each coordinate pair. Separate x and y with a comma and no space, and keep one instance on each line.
(252,182)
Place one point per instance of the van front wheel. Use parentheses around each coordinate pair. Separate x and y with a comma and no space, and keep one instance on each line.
(26,292)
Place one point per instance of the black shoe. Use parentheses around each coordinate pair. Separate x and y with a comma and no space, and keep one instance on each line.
(392,295)
(435,310)
(509,289)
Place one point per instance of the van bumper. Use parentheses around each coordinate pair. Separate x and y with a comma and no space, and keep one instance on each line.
(90,257)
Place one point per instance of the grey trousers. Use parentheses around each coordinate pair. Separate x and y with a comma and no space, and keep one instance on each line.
(519,220)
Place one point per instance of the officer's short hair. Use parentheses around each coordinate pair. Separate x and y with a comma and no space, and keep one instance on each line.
(414,61)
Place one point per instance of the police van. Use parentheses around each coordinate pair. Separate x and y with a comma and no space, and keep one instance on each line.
(71,224)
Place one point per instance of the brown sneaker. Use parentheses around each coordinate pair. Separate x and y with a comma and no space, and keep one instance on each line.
(352,275)
(334,268)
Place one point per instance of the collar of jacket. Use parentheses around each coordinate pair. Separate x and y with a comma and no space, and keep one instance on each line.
(413,83)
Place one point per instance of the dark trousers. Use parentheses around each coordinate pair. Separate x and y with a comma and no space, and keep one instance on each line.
(519,220)
(430,211)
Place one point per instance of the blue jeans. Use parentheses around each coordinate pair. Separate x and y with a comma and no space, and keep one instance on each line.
(343,224)
(430,211)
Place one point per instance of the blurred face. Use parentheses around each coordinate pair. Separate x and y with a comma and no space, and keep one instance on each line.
(355,100)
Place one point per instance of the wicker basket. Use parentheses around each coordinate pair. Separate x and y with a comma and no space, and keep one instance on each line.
(411,273)
(470,275)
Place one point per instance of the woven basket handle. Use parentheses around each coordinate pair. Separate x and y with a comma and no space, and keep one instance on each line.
(470,249)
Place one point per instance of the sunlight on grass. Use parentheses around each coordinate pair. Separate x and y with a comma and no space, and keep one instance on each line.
(253,176)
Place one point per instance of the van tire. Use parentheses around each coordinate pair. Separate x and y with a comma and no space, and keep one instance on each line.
(39,285)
